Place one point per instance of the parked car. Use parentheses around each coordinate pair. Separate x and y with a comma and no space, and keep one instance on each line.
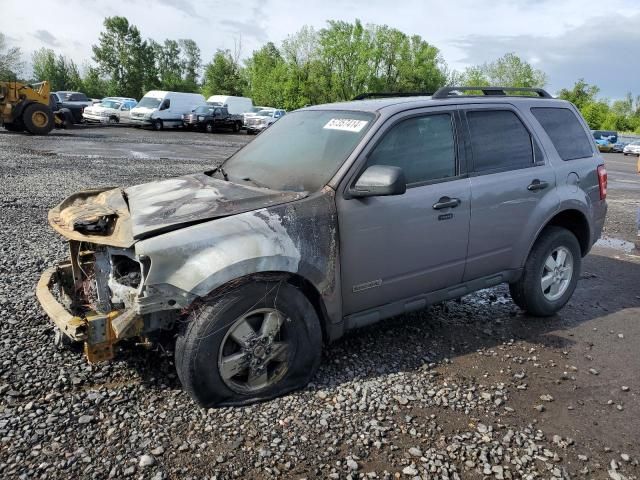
(334,218)
(211,118)
(262,119)
(110,110)
(252,112)
(632,149)
(610,135)
(75,102)
(235,105)
(618,147)
(604,145)
(159,109)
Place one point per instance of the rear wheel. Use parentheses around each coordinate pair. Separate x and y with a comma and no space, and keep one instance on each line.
(550,274)
(37,119)
(254,343)
(237,126)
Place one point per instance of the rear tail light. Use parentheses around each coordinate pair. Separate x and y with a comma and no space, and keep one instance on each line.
(602,181)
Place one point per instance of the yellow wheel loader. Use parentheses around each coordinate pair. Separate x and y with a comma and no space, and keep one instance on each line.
(27,107)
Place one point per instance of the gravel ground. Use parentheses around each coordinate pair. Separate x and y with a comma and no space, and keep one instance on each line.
(468,389)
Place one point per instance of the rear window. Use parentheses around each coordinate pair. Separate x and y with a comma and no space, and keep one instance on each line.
(499,141)
(565,131)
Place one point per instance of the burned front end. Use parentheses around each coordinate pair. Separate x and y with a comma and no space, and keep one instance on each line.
(94,296)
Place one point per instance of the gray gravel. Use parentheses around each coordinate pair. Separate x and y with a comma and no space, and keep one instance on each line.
(447,393)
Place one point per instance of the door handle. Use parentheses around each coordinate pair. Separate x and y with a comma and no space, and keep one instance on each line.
(446,202)
(537,185)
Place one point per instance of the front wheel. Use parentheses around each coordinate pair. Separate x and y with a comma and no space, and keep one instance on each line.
(37,119)
(550,273)
(209,127)
(237,126)
(253,343)
(157,125)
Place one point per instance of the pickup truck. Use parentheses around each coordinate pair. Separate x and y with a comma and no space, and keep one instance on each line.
(75,102)
(210,118)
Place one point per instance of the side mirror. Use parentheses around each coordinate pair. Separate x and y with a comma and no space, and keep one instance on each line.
(378,181)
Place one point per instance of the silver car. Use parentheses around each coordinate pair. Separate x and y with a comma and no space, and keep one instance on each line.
(336,217)
(632,148)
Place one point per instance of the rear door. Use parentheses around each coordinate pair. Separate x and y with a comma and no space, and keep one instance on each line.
(398,247)
(513,189)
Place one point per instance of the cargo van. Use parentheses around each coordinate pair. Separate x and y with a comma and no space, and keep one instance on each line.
(159,109)
(235,105)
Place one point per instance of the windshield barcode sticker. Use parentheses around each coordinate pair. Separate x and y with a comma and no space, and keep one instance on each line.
(346,124)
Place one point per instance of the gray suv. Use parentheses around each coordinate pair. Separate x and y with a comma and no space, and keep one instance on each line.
(336,217)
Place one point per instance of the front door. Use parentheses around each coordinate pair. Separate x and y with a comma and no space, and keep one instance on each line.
(397,247)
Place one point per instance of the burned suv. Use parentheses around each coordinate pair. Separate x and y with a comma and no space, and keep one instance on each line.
(336,217)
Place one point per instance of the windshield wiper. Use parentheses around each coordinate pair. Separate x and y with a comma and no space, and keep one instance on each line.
(224,174)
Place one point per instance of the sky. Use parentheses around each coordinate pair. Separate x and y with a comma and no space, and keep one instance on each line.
(567,39)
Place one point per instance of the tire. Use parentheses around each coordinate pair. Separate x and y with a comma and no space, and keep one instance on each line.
(14,127)
(208,127)
(528,291)
(208,339)
(236,127)
(157,125)
(37,119)
(113,120)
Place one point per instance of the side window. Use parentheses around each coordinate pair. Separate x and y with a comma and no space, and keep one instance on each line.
(499,141)
(565,131)
(424,147)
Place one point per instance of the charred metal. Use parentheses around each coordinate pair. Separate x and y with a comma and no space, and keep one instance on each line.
(140,257)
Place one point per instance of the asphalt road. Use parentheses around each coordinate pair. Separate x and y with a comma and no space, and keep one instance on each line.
(622,171)
(454,391)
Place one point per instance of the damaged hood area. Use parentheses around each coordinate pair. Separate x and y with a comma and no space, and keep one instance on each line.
(119,217)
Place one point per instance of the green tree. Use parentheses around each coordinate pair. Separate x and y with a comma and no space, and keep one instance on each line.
(11,64)
(61,72)
(507,71)
(581,94)
(266,74)
(595,114)
(169,65)
(122,55)
(94,85)
(191,64)
(222,76)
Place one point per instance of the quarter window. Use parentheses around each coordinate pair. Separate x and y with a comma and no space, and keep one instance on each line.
(499,141)
(424,147)
(565,131)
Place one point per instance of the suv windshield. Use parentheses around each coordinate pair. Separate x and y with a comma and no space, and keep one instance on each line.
(301,151)
(149,102)
(204,109)
(265,113)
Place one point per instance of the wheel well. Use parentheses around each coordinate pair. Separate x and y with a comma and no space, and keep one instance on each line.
(576,223)
(297,281)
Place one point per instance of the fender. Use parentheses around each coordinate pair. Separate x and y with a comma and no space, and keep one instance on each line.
(298,238)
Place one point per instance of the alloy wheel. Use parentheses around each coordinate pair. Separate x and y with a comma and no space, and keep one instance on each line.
(254,353)
(557,273)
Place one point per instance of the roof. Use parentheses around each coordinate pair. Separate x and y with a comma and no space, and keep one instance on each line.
(401,103)
(444,96)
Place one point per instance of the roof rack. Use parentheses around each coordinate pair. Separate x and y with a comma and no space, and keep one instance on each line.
(364,96)
(446,92)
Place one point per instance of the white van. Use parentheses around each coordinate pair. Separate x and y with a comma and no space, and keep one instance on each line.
(235,105)
(160,109)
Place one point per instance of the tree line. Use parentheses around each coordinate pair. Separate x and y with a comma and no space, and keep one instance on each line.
(311,66)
